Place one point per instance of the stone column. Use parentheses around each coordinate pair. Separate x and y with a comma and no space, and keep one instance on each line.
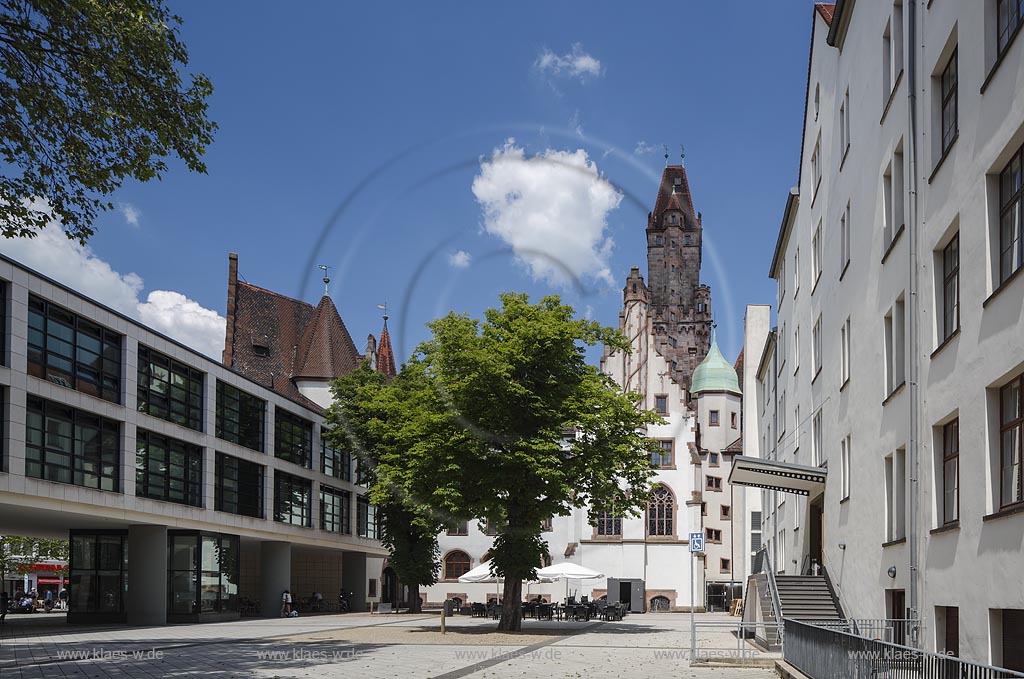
(147,575)
(275,576)
(354,579)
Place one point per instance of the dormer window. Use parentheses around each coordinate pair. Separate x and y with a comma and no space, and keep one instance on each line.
(677,181)
(260,350)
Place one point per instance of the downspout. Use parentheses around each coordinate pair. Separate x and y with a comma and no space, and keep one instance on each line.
(913,443)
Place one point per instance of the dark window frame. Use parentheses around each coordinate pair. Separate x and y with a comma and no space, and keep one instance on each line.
(661,404)
(460,529)
(233,483)
(1006,26)
(949,108)
(232,403)
(951,457)
(337,517)
(609,524)
(181,402)
(334,462)
(289,511)
(97,456)
(951,287)
(367,525)
(658,458)
(60,344)
(164,485)
(454,567)
(1011,213)
(1011,429)
(293,438)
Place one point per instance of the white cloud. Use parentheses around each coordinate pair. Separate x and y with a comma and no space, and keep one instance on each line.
(459,259)
(131,213)
(642,148)
(551,208)
(576,64)
(77,266)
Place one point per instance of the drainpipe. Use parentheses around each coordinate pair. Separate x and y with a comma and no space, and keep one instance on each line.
(913,444)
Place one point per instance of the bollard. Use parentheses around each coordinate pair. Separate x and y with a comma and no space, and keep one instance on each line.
(442,619)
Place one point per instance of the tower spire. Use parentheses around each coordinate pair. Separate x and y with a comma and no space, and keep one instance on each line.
(327,280)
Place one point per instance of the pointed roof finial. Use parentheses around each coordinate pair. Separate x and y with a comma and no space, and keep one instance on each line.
(665,146)
(327,280)
(384,307)
(682,156)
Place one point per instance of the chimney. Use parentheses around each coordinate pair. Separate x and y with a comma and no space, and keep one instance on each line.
(229,332)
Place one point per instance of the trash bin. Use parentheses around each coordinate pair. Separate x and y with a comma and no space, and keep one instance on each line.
(449,607)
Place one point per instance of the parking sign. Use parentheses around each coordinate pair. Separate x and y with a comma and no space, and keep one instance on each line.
(696,543)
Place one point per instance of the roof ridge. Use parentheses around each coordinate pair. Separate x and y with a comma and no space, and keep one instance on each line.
(276,294)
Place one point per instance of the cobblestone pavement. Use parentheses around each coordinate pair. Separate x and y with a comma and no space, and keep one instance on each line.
(360,645)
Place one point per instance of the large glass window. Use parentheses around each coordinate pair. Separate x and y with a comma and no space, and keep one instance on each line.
(334,462)
(203,573)
(73,351)
(660,512)
(1011,442)
(240,416)
(168,469)
(293,499)
(170,390)
(663,456)
(1011,217)
(334,510)
(456,564)
(98,565)
(293,438)
(71,446)
(366,518)
(238,486)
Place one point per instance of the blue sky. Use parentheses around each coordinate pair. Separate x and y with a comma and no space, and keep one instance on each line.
(363,136)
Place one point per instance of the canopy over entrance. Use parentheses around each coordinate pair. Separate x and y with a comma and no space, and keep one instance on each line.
(781,476)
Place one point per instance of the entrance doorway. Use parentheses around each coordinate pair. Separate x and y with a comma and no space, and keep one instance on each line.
(816,510)
(897,610)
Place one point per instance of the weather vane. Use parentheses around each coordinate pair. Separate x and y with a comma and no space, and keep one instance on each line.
(665,146)
(327,280)
(682,155)
(384,308)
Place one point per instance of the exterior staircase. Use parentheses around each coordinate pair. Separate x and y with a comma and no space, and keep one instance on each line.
(807,597)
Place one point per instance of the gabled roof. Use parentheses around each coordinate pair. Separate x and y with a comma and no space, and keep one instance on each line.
(385,354)
(326,349)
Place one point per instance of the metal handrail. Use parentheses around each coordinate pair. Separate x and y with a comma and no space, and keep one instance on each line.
(765,564)
(822,653)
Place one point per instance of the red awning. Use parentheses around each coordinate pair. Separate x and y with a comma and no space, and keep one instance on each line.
(48,581)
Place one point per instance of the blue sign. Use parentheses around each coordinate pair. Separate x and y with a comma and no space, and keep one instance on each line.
(696,543)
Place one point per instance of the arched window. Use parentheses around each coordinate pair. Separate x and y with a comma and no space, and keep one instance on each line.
(456,564)
(660,604)
(660,511)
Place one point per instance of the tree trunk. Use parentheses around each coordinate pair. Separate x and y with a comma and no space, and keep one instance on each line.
(415,604)
(511,606)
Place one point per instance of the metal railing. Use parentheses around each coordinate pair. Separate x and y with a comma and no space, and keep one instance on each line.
(824,653)
(892,630)
(727,642)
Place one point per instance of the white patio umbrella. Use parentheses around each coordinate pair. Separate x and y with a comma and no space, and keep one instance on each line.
(482,573)
(568,571)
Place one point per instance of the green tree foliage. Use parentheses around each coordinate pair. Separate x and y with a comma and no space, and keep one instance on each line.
(503,420)
(91,93)
(366,422)
(18,552)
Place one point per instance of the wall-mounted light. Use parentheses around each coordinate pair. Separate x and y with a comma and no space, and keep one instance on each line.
(842,546)
(892,572)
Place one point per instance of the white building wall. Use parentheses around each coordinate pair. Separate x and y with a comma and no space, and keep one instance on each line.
(975,565)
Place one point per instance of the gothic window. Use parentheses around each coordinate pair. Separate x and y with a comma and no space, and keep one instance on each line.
(456,564)
(660,512)
(609,524)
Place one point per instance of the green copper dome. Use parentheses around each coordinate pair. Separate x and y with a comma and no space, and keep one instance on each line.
(714,373)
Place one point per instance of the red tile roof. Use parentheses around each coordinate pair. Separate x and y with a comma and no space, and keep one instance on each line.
(326,349)
(385,354)
(826,10)
(272,338)
(679,199)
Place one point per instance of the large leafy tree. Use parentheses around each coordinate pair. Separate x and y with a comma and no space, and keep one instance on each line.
(91,93)
(366,420)
(506,422)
